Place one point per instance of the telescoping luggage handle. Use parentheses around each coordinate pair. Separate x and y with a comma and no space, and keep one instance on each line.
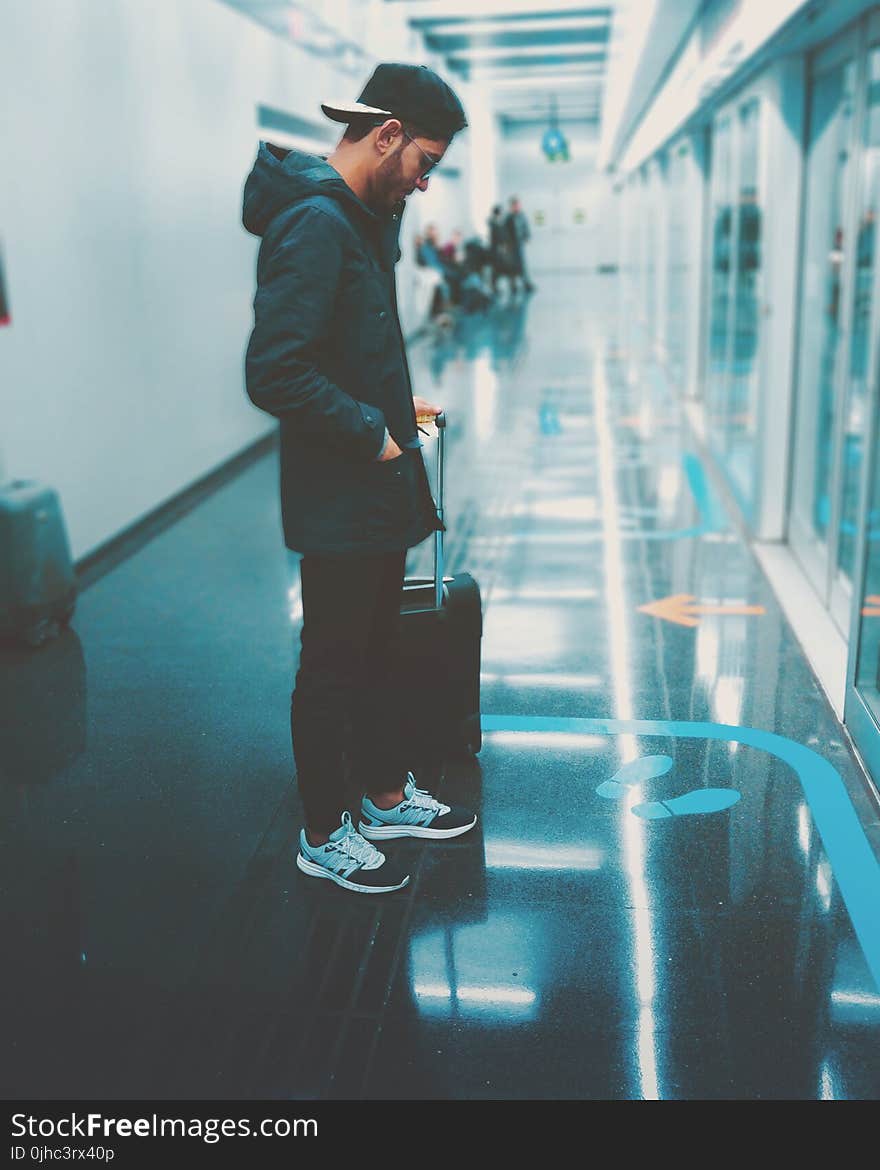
(438,581)
(440,423)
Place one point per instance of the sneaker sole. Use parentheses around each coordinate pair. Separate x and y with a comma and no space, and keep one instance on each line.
(388,832)
(315,870)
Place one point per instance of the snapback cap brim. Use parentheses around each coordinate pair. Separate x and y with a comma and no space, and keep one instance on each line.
(346,111)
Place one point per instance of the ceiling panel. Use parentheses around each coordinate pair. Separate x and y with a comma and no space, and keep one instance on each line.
(470,68)
(421,11)
(551,47)
(512,38)
(523,53)
(309,26)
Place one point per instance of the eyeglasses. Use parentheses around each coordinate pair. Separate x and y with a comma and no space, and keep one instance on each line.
(432,162)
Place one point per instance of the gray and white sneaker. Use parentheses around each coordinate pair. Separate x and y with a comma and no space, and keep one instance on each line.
(419,814)
(351,862)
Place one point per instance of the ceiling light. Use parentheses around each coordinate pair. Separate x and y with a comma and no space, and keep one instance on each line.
(422,12)
(486,54)
(540,81)
(473,28)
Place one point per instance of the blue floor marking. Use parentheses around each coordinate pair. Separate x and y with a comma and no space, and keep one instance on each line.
(633,773)
(695,803)
(699,802)
(856,869)
(712,515)
(710,509)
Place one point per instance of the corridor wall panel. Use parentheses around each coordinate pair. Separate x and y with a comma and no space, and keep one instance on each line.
(129,129)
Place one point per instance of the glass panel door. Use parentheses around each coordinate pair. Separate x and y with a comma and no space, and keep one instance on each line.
(649,266)
(733,342)
(679,309)
(858,545)
(859,366)
(829,175)
(719,290)
(743,392)
(862,710)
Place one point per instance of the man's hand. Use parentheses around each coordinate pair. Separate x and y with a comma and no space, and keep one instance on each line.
(392,451)
(425,411)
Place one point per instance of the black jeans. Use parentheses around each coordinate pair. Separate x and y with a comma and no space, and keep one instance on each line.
(350,606)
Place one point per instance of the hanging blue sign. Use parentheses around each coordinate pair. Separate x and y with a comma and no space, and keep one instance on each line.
(554,145)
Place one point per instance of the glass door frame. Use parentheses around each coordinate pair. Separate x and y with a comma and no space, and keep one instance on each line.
(841,591)
(857,717)
(861,724)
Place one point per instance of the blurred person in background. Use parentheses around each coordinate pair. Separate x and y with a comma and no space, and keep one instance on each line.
(428,258)
(453,250)
(518,233)
(500,254)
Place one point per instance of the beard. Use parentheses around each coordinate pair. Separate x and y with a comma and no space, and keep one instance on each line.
(389,186)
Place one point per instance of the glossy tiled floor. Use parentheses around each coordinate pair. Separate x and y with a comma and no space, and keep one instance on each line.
(597,936)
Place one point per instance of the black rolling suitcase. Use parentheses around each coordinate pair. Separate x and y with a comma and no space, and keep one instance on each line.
(438,651)
(37,580)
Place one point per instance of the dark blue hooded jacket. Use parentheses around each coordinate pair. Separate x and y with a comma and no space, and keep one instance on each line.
(326,357)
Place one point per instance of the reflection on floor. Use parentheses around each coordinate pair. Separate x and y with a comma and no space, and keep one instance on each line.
(640,913)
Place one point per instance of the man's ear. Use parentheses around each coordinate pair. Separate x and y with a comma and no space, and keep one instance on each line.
(388,134)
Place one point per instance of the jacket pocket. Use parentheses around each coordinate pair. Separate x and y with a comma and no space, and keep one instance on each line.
(385,500)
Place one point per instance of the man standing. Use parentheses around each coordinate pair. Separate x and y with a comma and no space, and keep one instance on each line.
(499,252)
(518,234)
(326,357)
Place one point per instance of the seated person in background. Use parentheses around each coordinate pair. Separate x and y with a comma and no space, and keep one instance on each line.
(476,256)
(475,290)
(434,270)
(452,251)
(461,278)
(430,249)
(449,256)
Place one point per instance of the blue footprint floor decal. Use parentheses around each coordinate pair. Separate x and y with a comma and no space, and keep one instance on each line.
(698,802)
(636,772)
(701,800)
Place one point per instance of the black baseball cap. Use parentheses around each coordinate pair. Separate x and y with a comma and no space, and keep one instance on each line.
(412,93)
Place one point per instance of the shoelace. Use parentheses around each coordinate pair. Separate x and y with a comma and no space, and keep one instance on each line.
(356,846)
(423,799)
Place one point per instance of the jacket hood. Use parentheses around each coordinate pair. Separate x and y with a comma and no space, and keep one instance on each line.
(281,178)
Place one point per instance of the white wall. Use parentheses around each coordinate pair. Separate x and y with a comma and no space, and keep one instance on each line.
(696,76)
(560,191)
(129,127)
(446,204)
